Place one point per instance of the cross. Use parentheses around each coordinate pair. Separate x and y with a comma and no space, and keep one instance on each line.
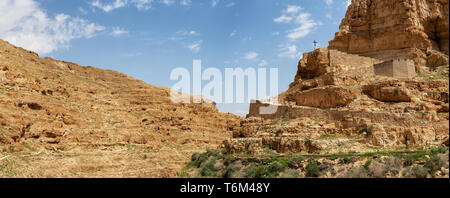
(315,44)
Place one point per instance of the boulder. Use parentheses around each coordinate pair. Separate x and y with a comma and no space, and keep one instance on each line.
(435,59)
(388,93)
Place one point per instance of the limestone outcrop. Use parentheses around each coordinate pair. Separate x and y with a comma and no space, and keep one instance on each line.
(369,84)
(389,30)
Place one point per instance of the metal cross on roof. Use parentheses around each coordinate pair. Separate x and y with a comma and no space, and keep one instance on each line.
(315,44)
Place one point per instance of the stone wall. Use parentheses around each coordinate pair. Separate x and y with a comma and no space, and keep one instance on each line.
(404,69)
(384,69)
(342,116)
(397,68)
(342,61)
(322,65)
(266,111)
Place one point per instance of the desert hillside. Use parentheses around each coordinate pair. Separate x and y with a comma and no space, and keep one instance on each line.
(59,119)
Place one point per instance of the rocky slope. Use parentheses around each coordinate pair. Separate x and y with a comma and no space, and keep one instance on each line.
(394,29)
(353,102)
(340,119)
(58,119)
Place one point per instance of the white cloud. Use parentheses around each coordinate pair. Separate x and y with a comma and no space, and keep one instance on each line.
(187,33)
(195,46)
(214,3)
(283,19)
(193,32)
(302,20)
(109,7)
(142,4)
(251,55)
(168,2)
(292,9)
(25,24)
(328,2)
(231,4)
(117,31)
(289,51)
(82,11)
(185,2)
(306,25)
(233,33)
(263,63)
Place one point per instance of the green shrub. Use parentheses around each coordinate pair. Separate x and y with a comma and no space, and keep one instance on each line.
(265,171)
(416,172)
(207,169)
(229,171)
(367,164)
(433,164)
(432,69)
(360,172)
(274,169)
(429,53)
(440,149)
(334,157)
(256,172)
(409,161)
(377,169)
(346,160)
(393,165)
(197,159)
(312,169)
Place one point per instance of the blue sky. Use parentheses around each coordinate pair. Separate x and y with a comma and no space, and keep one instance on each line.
(146,39)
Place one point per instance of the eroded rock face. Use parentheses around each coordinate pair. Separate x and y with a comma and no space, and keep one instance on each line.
(435,59)
(388,94)
(48,105)
(391,29)
(325,97)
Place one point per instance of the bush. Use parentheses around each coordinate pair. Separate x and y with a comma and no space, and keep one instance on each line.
(409,161)
(433,164)
(264,171)
(346,160)
(312,169)
(274,169)
(360,172)
(207,170)
(429,53)
(377,169)
(432,69)
(416,172)
(440,149)
(367,164)
(199,159)
(256,172)
(229,171)
(393,165)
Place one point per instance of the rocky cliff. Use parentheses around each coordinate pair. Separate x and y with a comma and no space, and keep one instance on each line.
(394,29)
(59,119)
